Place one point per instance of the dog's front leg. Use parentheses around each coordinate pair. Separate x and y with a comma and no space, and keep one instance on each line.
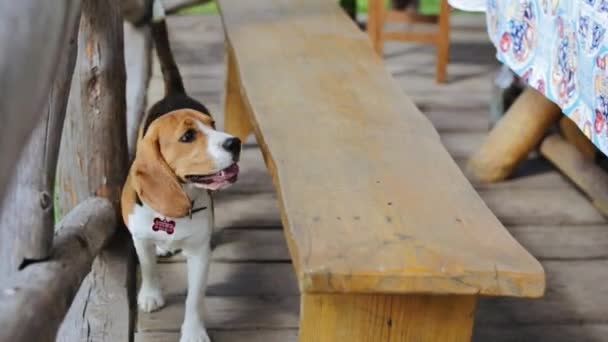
(193,328)
(150,296)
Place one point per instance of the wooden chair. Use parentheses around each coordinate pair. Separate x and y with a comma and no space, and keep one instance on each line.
(378,16)
(388,239)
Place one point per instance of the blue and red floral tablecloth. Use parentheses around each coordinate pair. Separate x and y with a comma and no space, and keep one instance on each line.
(559,47)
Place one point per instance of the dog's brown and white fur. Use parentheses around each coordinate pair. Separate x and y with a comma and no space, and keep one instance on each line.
(180,158)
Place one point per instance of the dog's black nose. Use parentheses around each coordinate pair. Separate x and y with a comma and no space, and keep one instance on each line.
(233,145)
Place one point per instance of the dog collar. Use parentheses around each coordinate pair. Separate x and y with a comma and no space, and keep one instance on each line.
(194,211)
(191,212)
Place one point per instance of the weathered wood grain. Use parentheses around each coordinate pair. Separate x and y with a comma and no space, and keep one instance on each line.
(579,168)
(561,206)
(246,210)
(27,70)
(248,244)
(234,279)
(559,242)
(542,332)
(29,198)
(512,206)
(227,313)
(353,106)
(573,134)
(257,335)
(571,242)
(390,318)
(34,301)
(574,295)
(93,160)
(516,134)
(483,333)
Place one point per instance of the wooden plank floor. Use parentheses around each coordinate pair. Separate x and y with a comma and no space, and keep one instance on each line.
(252,294)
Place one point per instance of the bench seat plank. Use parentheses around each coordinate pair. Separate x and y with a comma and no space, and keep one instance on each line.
(371,201)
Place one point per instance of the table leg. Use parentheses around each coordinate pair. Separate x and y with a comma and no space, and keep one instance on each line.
(573,135)
(581,170)
(388,318)
(515,135)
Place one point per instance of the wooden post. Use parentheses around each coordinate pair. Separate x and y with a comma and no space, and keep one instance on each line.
(93,161)
(93,157)
(30,50)
(236,119)
(29,199)
(443,42)
(35,300)
(514,136)
(138,61)
(389,318)
(581,170)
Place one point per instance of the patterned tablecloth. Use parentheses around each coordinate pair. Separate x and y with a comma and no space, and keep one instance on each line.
(560,47)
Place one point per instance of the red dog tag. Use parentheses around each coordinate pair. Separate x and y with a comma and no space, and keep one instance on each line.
(164,225)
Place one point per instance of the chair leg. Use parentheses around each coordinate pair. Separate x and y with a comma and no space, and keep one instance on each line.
(375,24)
(443,42)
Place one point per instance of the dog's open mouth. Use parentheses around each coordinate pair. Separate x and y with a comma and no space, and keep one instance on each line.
(216,181)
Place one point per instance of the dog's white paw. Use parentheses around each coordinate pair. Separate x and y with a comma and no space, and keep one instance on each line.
(150,299)
(194,333)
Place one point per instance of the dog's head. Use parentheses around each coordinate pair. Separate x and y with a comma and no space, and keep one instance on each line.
(183,147)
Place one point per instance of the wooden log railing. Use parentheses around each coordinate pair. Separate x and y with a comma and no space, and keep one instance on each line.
(34,302)
(31,190)
(29,54)
(85,269)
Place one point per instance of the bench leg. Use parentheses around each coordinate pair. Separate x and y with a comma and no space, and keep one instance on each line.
(515,135)
(386,318)
(237,121)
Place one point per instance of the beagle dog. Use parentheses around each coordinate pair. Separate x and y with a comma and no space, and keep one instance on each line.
(167,197)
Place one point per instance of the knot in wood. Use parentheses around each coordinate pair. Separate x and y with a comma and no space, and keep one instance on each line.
(45,200)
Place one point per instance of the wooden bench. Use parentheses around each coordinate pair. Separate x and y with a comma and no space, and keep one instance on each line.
(389,240)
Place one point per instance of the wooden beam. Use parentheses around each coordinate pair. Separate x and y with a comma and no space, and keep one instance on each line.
(29,199)
(390,318)
(138,62)
(32,37)
(94,161)
(34,301)
(580,169)
(515,135)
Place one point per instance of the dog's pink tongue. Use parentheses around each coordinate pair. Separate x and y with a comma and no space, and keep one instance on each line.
(218,180)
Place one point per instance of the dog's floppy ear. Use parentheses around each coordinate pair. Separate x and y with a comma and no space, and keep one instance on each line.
(154,181)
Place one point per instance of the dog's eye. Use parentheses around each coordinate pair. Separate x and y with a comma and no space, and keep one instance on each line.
(188,136)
